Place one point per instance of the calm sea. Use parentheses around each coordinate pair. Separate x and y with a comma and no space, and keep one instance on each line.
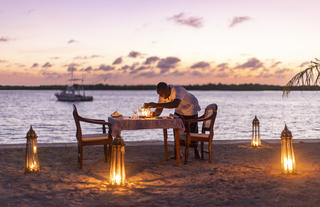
(53,120)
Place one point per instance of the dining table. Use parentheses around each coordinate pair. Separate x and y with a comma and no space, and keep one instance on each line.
(128,123)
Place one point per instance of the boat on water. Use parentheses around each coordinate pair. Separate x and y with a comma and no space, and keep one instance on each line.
(73,93)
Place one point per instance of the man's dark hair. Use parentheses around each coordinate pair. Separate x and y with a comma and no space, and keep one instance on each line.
(162,86)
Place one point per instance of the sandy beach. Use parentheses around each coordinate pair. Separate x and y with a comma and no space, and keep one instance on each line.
(239,176)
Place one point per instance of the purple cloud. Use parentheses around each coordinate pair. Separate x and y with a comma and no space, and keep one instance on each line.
(105,68)
(125,68)
(30,11)
(181,18)
(276,64)
(238,20)
(20,65)
(51,75)
(96,56)
(200,64)
(87,69)
(35,65)
(166,63)
(117,61)
(252,63)
(177,73)
(197,73)
(47,65)
(86,57)
(222,75)
(151,60)
(223,66)
(72,41)
(136,70)
(133,66)
(4,39)
(134,54)
(107,76)
(72,67)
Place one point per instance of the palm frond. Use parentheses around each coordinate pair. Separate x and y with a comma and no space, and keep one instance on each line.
(308,77)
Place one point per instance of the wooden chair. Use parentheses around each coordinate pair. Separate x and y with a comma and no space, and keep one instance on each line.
(208,119)
(103,138)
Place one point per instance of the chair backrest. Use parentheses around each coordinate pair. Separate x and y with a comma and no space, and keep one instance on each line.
(208,124)
(77,122)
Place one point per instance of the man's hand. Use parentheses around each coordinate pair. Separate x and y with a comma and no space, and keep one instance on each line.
(150,105)
(153,114)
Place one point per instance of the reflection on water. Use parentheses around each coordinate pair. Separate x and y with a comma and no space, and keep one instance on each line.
(53,120)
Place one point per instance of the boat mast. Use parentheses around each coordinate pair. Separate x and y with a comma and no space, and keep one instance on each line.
(82,85)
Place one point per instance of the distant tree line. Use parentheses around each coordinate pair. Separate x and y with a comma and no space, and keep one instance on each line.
(211,86)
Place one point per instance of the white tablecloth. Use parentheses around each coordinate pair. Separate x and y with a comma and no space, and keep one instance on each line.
(126,123)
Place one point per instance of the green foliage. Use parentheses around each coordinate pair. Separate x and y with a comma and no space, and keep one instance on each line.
(308,77)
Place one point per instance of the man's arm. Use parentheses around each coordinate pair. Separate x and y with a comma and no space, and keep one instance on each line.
(170,105)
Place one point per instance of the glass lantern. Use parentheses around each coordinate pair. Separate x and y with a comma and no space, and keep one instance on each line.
(32,161)
(255,139)
(288,162)
(117,165)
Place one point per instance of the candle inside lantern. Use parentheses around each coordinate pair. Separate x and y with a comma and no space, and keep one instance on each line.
(117,167)
(288,163)
(255,144)
(32,161)
(255,139)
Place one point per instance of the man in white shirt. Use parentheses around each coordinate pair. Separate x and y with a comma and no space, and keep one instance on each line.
(186,105)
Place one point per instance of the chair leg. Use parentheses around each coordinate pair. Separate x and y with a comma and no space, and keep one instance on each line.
(80,154)
(202,156)
(105,149)
(186,152)
(210,151)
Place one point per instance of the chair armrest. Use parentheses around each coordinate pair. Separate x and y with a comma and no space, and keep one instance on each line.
(187,122)
(200,119)
(95,121)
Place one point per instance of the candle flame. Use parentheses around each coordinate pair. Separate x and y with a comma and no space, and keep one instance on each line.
(255,143)
(34,149)
(288,165)
(145,112)
(116,179)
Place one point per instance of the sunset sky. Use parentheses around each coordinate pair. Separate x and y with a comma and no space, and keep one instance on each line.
(145,41)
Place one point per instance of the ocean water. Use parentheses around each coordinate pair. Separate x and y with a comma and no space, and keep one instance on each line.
(53,120)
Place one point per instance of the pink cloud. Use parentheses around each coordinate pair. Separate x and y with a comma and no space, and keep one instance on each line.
(238,20)
(4,39)
(181,18)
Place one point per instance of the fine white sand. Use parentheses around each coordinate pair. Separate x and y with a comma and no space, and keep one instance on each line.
(238,176)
